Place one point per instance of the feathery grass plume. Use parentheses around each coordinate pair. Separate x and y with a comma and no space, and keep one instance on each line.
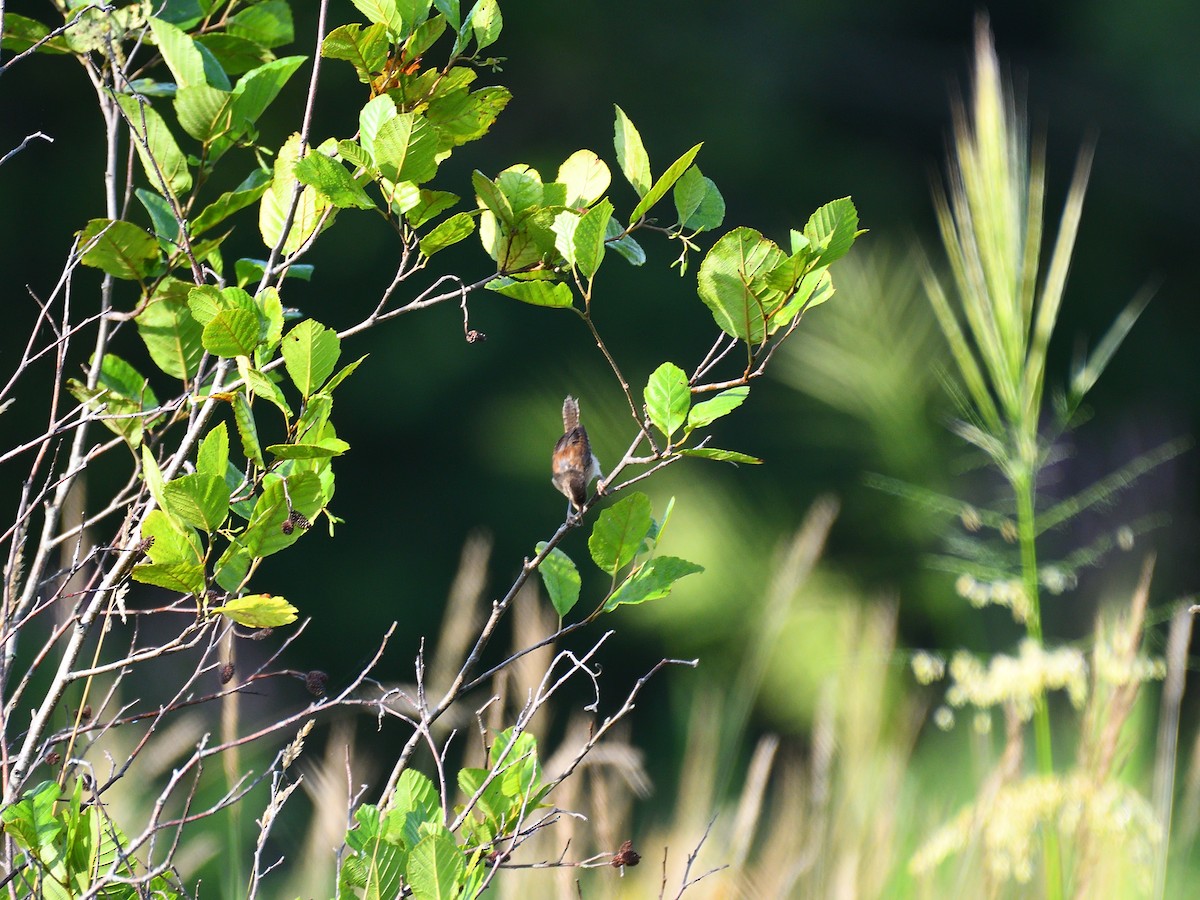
(998,313)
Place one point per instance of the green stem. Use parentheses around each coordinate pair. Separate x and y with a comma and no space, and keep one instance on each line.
(1026,526)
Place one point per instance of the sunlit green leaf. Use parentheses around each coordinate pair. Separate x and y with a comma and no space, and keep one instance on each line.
(561,579)
(730,456)
(651,582)
(310,351)
(202,501)
(631,154)
(537,293)
(721,405)
(589,238)
(698,202)
(447,233)
(667,398)
(586,177)
(619,531)
(331,179)
(831,230)
(664,184)
(258,611)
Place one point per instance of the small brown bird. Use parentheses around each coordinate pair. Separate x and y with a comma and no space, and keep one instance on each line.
(574,463)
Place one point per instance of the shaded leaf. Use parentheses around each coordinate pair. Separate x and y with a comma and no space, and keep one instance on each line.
(121,248)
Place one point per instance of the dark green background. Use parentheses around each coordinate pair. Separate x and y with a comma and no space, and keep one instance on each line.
(797,103)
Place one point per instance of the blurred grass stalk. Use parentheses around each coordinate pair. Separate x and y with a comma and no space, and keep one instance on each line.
(998,321)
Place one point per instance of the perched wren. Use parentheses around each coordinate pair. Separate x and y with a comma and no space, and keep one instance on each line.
(574,463)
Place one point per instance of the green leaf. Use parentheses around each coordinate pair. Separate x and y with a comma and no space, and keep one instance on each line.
(485,22)
(721,405)
(625,246)
(213,456)
(730,456)
(232,568)
(258,611)
(179,52)
(429,204)
(201,501)
(353,153)
(631,154)
(248,270)
(382,12)
(831,230)
(652,581)
(310,351)
(536,293)
(372,117)
(664,184)
(204,302)
(331,179)
(444,234)
(166,229)
(262,386)
(561,579)
(152,475)
(564,226)
(668,397)
(619,531)
(461,116)
(228,203)
(363,46)
(435,866)
(205,113)
(234,54)
(732,284)
(589,237)
(121,248)
(21,33)
(276,202)
(177,562)
(492,198)
(586,177)
(698,202)
(164,154)
(405,149)
(258,88)
(813,289)
(416,796)
(264,534)
(268,23)
(341,376)
(231,332)
(171,334)
(322,449)
(243,417)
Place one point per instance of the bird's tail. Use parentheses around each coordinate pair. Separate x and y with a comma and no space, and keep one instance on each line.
(570,414)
